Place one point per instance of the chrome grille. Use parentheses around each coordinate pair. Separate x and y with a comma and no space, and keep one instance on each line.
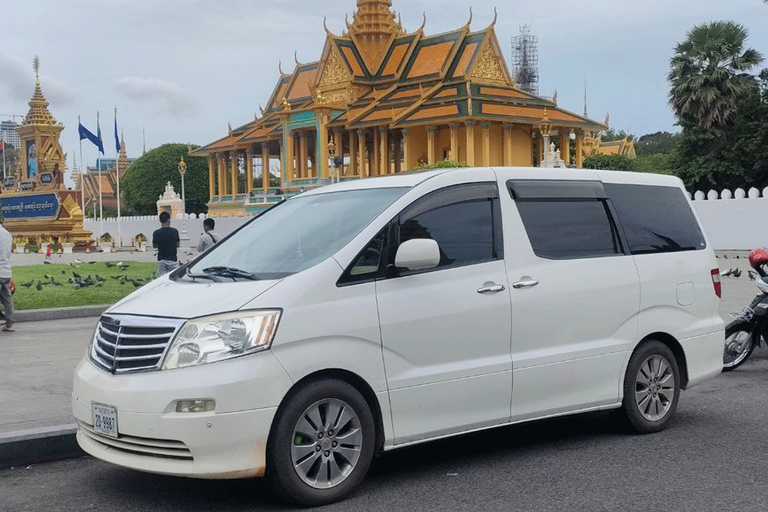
(125,343)
(159,448)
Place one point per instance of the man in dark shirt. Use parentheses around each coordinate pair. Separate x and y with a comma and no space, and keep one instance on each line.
(166,241)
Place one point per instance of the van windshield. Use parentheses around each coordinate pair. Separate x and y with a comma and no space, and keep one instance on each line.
(295,235)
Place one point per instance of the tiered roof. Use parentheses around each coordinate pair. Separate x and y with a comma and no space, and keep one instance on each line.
(377,74)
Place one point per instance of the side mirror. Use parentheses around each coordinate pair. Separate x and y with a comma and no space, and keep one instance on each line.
(418,254)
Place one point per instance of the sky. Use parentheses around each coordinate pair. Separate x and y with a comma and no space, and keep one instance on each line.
(183,69)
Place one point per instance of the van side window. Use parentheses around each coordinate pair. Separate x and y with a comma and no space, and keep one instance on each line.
(368,264)
(567,220)
(656,218)
(465,222)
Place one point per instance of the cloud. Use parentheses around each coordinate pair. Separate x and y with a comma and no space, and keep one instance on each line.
(18,84)
(166,98)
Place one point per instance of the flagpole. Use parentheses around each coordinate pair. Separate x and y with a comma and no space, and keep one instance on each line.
(98,169)
(4,152)
(82,172)
(117,167)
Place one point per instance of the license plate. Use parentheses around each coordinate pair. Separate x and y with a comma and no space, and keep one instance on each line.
(104,419)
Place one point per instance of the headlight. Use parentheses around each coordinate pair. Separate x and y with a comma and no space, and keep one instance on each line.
(219,337)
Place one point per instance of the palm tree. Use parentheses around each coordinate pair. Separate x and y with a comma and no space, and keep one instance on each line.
(709,73)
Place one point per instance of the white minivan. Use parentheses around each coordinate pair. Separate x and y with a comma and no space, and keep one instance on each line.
(371,315)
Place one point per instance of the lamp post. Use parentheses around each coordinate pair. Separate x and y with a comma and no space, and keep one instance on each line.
(335,161)
(182,170)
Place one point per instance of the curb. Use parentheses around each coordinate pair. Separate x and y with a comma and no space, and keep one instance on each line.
(37,315)
(39,445)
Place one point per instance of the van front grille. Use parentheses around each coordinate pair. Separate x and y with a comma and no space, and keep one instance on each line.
(124,344)
(158,448)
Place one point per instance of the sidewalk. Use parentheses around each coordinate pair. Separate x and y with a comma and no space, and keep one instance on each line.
(37,364)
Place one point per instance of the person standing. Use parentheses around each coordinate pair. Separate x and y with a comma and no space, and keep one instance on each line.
(6,297)
(208,238)
(166,241)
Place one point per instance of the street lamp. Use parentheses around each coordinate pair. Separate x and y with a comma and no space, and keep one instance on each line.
(182,170)
(334,161)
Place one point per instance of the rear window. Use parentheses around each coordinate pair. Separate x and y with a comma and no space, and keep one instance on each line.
(655,218)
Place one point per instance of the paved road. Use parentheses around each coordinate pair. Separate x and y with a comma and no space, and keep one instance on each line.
(713,457)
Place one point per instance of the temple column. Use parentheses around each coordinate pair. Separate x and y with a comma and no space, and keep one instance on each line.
(431,136)
(248,170)
(265,167)
(361,153)
(470,143)
(233,156)
(397,151)
(353,167)
(407,149)
(374,166)
(565,146)
(338,141)
(303,172)
(323,166)
(211,176)
(454,142)
(508,144)
(286,171)
(383,151)
(222,174)
(579,155)
(486,143)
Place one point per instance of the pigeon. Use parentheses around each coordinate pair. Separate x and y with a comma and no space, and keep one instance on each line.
(110,265)
(56,283)
(78,261)
(115,277)
(77,276)
(63,271)
(727,273)
(725,256)
(737,256)
(48,276)
(119,263)
(752,275)
(39,286)
(736,273)
(91,262)
(46,263)
(28,285)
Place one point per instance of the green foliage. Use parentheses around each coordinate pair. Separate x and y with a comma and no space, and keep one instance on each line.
(709,74)
(443,164)
(52,296)
(146,179)
(658,163)
(11,156)
(611,134)
(609,162)
(659,143)
(32,248)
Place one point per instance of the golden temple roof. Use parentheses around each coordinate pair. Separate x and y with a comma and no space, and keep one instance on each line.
(38,105)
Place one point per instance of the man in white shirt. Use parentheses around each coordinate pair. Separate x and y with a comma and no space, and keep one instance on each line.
(208,238)
(6,247)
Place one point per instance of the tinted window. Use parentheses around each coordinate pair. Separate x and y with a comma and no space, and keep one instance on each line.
(464,231)
(368,263)
(655,218)
(562,229)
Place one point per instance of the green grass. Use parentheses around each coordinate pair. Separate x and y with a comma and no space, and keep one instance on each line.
(66,295)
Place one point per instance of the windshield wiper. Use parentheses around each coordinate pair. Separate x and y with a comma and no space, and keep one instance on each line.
(188,273)
(231,272)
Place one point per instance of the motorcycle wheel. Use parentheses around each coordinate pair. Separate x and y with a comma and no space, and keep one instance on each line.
(739,344)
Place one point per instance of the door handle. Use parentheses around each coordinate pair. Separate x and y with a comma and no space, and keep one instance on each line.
(525,283)
(496,288)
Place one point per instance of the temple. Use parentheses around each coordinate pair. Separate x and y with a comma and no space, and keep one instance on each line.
(381,100)
(102,178)
(36,205)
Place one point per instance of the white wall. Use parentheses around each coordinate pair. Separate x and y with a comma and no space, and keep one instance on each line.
(733,220)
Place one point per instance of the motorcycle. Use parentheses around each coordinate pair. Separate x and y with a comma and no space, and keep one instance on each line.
(749,327)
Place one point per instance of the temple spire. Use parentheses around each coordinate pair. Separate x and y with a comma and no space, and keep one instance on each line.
(38,105)
(373,28)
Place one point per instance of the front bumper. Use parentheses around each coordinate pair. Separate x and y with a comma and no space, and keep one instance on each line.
(229,442)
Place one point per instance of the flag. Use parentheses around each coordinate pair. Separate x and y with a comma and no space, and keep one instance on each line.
(98,134)
(85,133)
(2,146)
(117,139)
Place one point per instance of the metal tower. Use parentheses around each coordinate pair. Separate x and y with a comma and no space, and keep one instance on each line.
(525,59)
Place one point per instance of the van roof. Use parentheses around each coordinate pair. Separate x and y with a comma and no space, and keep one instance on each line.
(413,178)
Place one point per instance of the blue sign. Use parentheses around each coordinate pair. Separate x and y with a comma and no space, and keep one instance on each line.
(46,178)
(30,207)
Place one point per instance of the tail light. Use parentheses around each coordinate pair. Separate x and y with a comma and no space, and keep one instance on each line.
(716,282)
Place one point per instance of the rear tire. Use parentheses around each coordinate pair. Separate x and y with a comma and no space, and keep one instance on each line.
(321,444)
(651,388)
(739,344)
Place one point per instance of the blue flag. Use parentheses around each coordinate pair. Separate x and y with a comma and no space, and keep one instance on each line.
(85,133)
(117,139)
(98,134)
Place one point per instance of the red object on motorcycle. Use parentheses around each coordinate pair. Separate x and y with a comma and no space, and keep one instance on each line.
(758,257)
(716,282)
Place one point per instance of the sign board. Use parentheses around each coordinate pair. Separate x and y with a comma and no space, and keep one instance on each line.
(9,182)
(30,207)
(46,178)
(27,185)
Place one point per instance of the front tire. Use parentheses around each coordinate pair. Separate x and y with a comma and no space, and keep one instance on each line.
(322,443)
(651,388)
(739,344)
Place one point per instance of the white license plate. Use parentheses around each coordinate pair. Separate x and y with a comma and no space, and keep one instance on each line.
(104,419)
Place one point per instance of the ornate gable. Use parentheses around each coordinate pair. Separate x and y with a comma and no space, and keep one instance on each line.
(489,65)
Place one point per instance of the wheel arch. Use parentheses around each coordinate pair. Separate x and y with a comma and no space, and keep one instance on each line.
(353,380)
(677,349)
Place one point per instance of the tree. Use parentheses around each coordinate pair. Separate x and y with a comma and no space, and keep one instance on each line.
(11,157)
(610,162)
(146,179)
(709,74)
(659,143)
